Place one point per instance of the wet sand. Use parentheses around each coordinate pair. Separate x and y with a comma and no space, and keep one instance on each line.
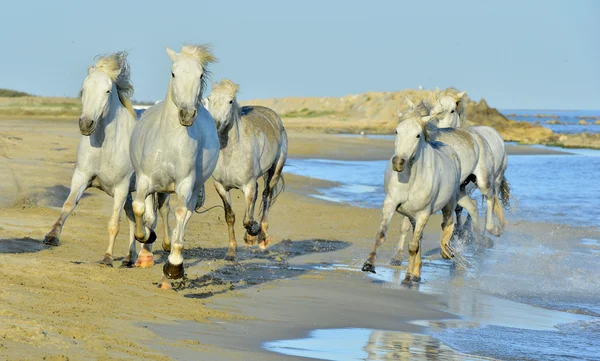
(58,303)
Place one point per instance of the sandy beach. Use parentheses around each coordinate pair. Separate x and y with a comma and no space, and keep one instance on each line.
(59,304)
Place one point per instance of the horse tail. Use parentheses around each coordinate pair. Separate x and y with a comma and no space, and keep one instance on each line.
(505,193)
(201,199)
(277,189)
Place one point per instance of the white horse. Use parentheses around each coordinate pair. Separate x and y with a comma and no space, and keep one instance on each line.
(477,165)
(449,107)
(174,149)
(253,145)
(106,123)
(421,178)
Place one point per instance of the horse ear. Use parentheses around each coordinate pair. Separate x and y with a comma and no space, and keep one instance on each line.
(461,94)
(410,104)
(172,54)
(437,92)
(90,68)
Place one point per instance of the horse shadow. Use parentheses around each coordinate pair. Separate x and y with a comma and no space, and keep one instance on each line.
(253,267)
(21,245)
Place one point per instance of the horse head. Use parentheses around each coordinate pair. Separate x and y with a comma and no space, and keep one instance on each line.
(188,74)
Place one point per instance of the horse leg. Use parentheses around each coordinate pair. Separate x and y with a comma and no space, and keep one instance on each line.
(129,259)
(79,183)
(173,268)
(120,194)
(272,181)
(468,203)
(405,228)
(252,228)
(165,210)
(145,258)
(387,211)
(448,224)
(413,274)
(229,218)
(142,234)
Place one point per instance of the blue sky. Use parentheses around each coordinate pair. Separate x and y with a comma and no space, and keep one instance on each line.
(515,54)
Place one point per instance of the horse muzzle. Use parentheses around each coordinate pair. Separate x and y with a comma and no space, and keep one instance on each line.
(86,126)
(398,164)
(186,117)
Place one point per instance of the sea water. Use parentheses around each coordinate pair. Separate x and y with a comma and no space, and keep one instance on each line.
(569,119)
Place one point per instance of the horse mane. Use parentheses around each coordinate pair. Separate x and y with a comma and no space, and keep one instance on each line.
(417,112)
(227,85)
(203,54)
(116,66)
(460,104)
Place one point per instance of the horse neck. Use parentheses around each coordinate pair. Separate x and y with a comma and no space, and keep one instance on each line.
(170,111)
(422,160)
(230,134)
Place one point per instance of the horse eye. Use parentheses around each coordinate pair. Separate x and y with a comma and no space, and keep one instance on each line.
(108,91)
(418,135)
(231,101)
(172,75)
(396,132)
(452,111)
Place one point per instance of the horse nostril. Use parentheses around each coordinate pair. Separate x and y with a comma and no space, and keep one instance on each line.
(194,114)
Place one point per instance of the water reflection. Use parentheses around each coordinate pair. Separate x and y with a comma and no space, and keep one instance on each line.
(367,344)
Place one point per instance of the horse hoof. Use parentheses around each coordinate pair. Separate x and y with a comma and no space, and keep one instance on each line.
(145,260)
(51,240)
(150,239)
(253,229)
(166,247)
(249,239)
(445,255)
(495,231)
(396,262)
(264,243)
(410,280)
(127,263)
(106,261)
(368,267)
(172,271)
(230,258)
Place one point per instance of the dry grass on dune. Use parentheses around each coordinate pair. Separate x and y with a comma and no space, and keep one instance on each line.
(33,106)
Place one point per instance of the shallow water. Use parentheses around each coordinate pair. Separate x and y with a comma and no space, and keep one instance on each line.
(548,188)
(569,118)
(366,344)
(501,316)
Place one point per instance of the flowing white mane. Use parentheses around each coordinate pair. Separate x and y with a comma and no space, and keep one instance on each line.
(115,65)
(204,56)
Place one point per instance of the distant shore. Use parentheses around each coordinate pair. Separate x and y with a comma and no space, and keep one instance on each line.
(370,113)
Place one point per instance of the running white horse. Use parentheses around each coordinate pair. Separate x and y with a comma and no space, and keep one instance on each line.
(253,145)
(450,109)
(106,123)
(477,166)
(421,178)
(174,149)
